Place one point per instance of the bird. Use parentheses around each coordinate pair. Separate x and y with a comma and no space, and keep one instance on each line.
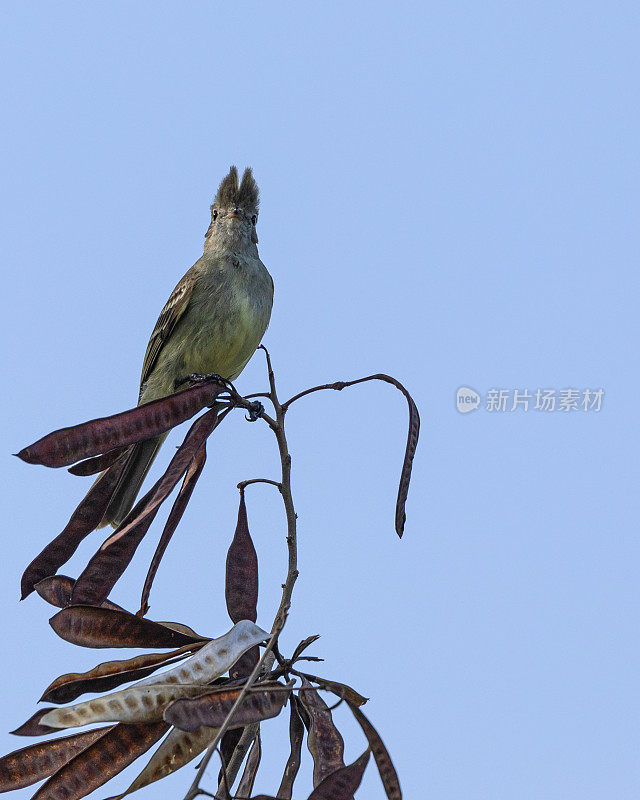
(213,321)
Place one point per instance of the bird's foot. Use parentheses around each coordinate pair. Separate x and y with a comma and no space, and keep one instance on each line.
(255,411)
(197,377)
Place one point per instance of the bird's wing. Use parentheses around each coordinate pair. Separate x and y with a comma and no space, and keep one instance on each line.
(175,307)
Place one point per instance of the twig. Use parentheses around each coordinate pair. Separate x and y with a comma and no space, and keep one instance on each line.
(340,385)
(243,484)
(240,751)
(277,426)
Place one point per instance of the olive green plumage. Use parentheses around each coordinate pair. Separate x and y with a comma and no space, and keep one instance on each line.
(213,321)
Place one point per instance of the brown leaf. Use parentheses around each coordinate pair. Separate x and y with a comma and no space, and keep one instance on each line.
(303,646)
(108,675)
(241,582)
(84,519)
(340,689)
(245,787)
(57,590)
(324,741)
(92,466)
(175,515)
(36,762)
(262,702)
(89,439)
(341,784)
(93,767)
(387,771)
(296,734)
(113,557)
(90,626)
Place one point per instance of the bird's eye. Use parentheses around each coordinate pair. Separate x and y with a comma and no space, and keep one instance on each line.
(214,216)
(254,219)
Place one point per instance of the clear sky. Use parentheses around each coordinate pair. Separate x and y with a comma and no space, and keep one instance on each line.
(449,195)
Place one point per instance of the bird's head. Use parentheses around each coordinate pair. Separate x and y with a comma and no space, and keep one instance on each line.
(234,212)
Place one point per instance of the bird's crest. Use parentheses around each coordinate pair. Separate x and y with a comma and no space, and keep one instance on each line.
(244,195)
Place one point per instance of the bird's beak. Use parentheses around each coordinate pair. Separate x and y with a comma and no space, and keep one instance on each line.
(235,214)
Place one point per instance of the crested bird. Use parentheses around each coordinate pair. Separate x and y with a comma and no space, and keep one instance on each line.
(213,321)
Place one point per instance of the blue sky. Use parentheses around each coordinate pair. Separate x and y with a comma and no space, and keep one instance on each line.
(449,195)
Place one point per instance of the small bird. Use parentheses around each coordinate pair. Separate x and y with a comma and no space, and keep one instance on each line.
(213,321)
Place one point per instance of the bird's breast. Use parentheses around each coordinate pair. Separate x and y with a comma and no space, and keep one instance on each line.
(232,311)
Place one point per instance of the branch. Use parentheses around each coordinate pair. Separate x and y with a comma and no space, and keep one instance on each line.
(412,437)
(266,660)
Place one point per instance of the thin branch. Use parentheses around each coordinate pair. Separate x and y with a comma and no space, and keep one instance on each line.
(243,484)
(340,385)
(266,660)
(239,753)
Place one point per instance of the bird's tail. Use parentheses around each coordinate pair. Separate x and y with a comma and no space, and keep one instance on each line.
(138,463)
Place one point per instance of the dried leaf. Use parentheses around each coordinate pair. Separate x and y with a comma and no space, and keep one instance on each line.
(296,734)
(303,646)
(340,689)
(245,787)
(178,749)
(135,704)
(84,519)
(387,771)
(68,445)
(108,675)
(113,557)
(341,784)
(262,702)
(215,657)
(175,515)
(90,626)
(92,466)
(324,741)
(241,582)
(36,762)
(93,767)
(57,590)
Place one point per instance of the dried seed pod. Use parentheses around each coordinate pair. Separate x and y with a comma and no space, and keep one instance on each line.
(84,519)
(387,771)
(241,581)
(262,702)
(36,762)
(324,741)
(68,445)
(108,675)
(113,557)
(91,626)
(106,757)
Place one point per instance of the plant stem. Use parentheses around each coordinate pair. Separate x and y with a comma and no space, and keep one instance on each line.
(266,660)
